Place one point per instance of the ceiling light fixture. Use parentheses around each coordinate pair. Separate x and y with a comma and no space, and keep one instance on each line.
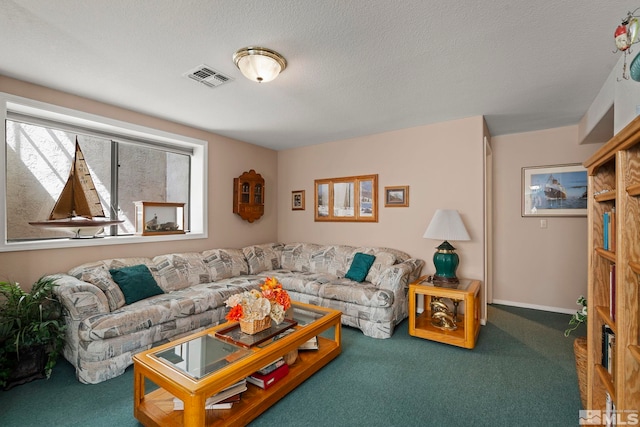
(259,63)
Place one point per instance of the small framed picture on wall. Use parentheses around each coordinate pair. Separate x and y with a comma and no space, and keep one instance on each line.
(397,196)
(297,200)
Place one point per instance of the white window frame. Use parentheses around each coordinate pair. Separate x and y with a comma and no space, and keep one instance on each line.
(199,164)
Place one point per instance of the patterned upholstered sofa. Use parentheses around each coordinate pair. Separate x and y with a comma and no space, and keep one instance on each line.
(103,332)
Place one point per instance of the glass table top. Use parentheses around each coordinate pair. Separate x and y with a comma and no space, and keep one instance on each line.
(206,354)
(463,284)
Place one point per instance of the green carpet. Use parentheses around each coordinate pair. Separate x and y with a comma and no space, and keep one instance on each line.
(521,373)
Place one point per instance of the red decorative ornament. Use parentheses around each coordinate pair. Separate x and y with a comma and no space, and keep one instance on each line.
(622,37)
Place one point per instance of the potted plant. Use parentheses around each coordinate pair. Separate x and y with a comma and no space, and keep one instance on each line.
(31,332)
(580,347)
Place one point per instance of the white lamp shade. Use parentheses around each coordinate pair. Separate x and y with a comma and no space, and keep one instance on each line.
(446,224)
(259,64)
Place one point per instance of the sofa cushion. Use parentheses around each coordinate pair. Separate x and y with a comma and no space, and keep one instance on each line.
(337,289)
(360,266)
(225,263)
(97,274)
(264,257)
(135,282)
(383,261)
(179,271)
(296,256)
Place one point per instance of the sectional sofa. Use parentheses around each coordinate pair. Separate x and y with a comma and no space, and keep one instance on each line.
(112,313)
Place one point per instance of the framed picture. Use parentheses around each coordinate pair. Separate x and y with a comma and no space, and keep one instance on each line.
(351,198)
(559,190)
(396,196)
(297,200)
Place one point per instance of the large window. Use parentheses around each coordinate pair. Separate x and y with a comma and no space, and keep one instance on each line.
(125,163)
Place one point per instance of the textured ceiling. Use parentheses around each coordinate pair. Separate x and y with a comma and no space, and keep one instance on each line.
(355,67)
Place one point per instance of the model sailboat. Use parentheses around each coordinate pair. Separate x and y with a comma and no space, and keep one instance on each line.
(78,209)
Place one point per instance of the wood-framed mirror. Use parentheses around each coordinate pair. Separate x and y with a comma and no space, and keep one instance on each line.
(351,198)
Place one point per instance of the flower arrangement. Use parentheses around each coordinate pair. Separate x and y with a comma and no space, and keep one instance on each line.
(253,305)
(579,317)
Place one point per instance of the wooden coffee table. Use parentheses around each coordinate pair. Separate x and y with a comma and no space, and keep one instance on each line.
(222,364)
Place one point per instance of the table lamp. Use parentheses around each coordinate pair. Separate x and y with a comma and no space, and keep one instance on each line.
(446,224)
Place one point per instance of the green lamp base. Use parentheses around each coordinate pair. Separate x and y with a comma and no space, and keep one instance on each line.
(446,262)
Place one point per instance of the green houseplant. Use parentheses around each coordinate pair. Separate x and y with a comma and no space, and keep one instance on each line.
(580,347)
(31,331)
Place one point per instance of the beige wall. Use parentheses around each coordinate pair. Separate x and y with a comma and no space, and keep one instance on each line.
(227,159)
(441,163)
(540,268)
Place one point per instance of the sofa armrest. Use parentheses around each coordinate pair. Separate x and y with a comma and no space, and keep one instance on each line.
(398,276)
(79,299)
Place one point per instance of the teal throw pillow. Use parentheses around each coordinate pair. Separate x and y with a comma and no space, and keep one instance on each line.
(135,282)
(360,266)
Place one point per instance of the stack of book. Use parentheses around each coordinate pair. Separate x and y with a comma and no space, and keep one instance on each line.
(270,374)
(609,230)
(608,349)
(222,400)
(312,344)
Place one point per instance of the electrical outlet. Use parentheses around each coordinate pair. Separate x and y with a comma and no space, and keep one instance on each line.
(543,223)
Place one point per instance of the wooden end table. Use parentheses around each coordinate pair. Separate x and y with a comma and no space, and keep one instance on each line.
(466,292)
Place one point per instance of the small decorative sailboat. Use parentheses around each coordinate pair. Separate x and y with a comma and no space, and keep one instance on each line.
(78,209)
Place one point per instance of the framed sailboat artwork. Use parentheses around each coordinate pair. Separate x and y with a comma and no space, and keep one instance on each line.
(558,190)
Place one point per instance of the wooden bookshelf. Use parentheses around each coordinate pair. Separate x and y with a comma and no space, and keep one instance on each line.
(614,183)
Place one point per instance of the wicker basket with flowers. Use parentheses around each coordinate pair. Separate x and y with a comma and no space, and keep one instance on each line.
(255,310)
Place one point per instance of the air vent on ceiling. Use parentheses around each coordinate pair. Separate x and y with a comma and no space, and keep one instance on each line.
(207,76)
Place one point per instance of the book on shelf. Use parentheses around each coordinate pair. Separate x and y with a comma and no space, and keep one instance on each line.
(612,292)
(268,380)
(609,411)
(271,366)
(222,400)
(609,230)
(608,349)
(612,230)
(311,344)
(605,231)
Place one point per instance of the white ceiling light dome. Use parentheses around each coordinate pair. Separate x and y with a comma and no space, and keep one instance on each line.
(259,63)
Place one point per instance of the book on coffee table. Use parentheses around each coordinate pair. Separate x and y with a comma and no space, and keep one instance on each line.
(268,380)
(272,366)
(221,400)
(311,344)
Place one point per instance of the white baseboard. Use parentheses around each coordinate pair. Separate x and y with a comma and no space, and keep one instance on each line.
(535,306)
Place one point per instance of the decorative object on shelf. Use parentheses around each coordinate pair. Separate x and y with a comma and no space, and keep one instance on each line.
(446,224)
(255,309)
(626,35)
(259,64)
(78,209)
(248,196)
(397,196)
(159,218)
(441,316)
(31,332)
(351,198)
(297,200)
(557,190)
